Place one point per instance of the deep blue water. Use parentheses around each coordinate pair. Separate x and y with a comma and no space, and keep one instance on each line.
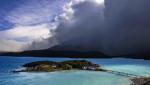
(134,66)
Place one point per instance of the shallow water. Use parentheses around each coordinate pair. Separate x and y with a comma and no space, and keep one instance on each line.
(7,64)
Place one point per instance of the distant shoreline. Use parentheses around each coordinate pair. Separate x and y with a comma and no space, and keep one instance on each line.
(70,54)
(104,57)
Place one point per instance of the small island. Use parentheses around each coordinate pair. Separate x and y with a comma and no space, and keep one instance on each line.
(51,66)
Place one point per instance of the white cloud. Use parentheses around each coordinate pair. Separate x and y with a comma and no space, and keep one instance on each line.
(11,46)
(32,23)
(34,12)
(27,33)
(99,1)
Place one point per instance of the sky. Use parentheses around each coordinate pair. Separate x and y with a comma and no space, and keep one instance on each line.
(114,27)
(33,21)
(24,22)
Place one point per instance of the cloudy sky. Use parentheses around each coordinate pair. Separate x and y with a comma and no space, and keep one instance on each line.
(115,27)
(33,21)
(23,22)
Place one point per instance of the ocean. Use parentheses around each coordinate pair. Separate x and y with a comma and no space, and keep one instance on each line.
(75,77)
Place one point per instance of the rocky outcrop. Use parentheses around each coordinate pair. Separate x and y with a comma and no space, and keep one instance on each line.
(141,81)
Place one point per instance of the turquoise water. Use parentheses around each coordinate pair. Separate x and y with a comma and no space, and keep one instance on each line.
(134,66)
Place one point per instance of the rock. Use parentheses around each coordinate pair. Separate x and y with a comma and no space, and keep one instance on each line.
(141,81)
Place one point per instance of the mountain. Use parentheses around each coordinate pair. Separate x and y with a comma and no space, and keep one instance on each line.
(76,52)
(72,51)
(57,53)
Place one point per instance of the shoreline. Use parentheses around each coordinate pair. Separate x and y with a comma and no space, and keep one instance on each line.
(72,54)
(73,57)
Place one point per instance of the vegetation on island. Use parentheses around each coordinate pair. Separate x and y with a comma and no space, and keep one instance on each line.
(50,66)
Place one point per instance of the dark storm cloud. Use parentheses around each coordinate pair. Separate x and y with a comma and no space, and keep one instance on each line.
(84,30)
(123,30)
(128,26)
